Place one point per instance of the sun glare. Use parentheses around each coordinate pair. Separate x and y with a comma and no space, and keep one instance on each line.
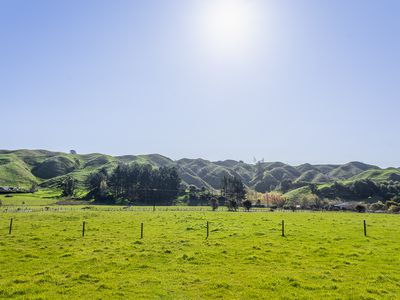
(227,27)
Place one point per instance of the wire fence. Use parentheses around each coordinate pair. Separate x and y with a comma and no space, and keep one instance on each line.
(76,208)
(207,227)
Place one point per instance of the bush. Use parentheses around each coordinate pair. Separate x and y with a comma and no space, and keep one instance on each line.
(394,209)
(312,201)
(232,205)
(275,200)
(396,199)
(247,205)
(360,208)
(377,206)
(214,203)
(391,203)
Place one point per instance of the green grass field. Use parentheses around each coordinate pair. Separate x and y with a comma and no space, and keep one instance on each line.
(40,198)
(324,255)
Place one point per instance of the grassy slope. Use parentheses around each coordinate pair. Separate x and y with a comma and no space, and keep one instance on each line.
(15,172)
(324,255)
(378,175)
(373,174)
(298,193)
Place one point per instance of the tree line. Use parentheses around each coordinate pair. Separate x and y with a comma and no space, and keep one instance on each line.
(135,183)
(232,194)
(144,185)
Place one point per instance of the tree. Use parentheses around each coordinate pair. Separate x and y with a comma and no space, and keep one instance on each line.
(192,194)
(313,188)
(233,190)
(204,197)
(391,203)
(394,209)
(275,199)
(98,186)
(363,189)
(316,202)
(378,206)
(68,186)
(259,167)
(33,188)
(232,205)
(285,185)
(360,208)
(247,205)
(139,183)
(214,203)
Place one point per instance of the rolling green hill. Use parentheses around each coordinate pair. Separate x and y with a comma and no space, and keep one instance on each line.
(379,175)
(47,168)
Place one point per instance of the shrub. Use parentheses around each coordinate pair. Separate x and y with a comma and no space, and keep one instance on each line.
(214,203)
(391,203)
(394,209)
(275,199)
(247,205)
(396,199)
(360,208)
(232,205)
(377,206)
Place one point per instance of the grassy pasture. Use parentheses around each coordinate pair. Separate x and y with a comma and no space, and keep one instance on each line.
(323,255)
(40,198)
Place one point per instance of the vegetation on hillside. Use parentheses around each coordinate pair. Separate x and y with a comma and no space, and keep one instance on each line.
(200,179)
(134,183)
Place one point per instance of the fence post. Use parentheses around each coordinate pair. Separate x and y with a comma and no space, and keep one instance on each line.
(83,228)
(283,228)
(207,226)
(10,229)
(365,228)
(141,230)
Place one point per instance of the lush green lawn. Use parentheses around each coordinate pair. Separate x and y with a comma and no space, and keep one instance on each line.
(41,197)
(324,255)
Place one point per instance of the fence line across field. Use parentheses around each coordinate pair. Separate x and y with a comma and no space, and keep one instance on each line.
(207,226)
(30,209)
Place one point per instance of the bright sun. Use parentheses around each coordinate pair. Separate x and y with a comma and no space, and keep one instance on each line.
(227,27)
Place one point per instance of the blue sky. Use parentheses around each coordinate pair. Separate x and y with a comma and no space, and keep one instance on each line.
(293,81)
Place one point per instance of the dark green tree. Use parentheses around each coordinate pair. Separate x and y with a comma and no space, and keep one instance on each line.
(144,184)
(247,205)
(98,186)
(214,203)
(233,190)
(68,187)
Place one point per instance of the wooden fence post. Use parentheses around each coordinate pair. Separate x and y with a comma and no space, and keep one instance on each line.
(365,228)
(283,228)
(83,228)
(141,230)
(207,226)
(11,224)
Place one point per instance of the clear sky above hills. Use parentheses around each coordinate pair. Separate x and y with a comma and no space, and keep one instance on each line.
(294,81)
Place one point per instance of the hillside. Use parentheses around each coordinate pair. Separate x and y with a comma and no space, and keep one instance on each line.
(47,168)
